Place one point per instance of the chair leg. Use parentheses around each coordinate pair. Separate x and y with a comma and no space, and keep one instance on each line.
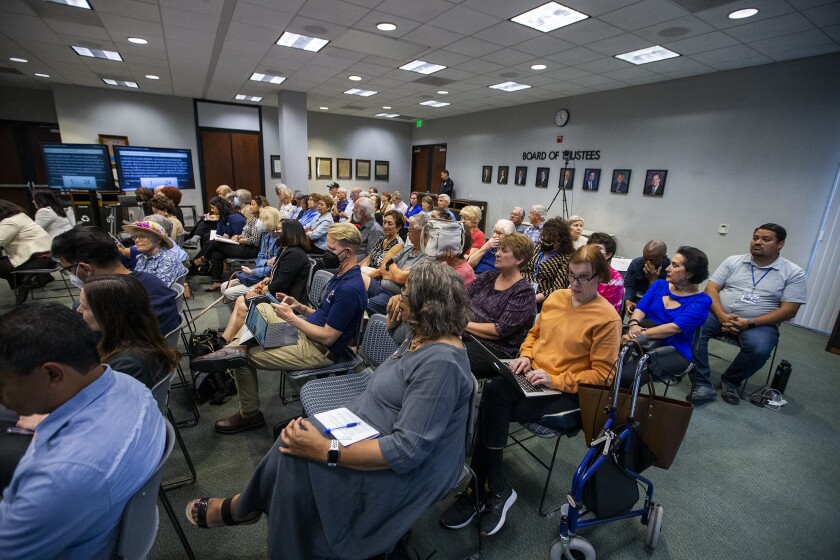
(766,381)
(184,384)
(167,506)
(547,481)
(187,458)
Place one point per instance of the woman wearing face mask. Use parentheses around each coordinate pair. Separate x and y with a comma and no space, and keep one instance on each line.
(549,267)
(246,246)
(244,280)
(317,228)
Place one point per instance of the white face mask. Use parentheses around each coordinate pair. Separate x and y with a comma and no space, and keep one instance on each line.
(76,281)
(260,226)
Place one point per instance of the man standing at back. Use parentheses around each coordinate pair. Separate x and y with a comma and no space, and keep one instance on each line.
(447,186)
(751,294)
(101,440)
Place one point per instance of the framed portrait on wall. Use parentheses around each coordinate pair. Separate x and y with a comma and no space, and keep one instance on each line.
(591,178)
(486,173)
(381,170)
(503,175)
(655,182)
(542,177)
(620,181)
(323,168)
(345,168)
(276,168)
(309,166)
(363,169)
(567,179)
(521,175)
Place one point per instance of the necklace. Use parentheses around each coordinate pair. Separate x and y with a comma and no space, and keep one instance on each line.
(417,343)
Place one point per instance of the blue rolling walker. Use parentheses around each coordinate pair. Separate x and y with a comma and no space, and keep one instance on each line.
(611,442)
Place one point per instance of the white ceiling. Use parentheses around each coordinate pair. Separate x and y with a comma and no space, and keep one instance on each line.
(208,49)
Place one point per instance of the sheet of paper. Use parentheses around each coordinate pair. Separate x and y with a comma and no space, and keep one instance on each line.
(336,418)
(246,335)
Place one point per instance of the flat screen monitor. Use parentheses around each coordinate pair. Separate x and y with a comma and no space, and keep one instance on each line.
(153,167)
(78,166)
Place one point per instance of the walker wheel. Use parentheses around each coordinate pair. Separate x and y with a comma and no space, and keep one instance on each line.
(579,548)
(654,526)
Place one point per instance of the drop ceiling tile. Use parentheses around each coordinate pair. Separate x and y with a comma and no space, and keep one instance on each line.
(508,57)
(681,28)
(190,20)
(634,73)
(833,31)
(696,71)
(334,51)
(370,20)
(742,63)
(544,46)
(121,27)
(644,14)
(326,30)
(433,37)
(606,64)
(805,4)
(26,27)
(569,74)
(464,20)
(593,81)
(573,57)
(769,28)
(620,44)
(422,11)
(507,33)
(334,11)
(586,31)
(828,14)
(726,55)
(718,16)
(442,57)
(702,43)
(207,7)
(815,50)
(597,8)
(454,74)
(479,66)
(262,16)
(792,42)
(673,65)
(473,47)
(129,9)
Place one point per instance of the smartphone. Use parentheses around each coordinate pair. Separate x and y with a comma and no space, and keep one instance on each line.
(116,240)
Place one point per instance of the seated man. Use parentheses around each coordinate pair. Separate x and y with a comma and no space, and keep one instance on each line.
(443,202)
(394,272)
(369,229)
(644,271)
(516,216)
(85,252)
(323,338)
(751,294)
(537,216)
(102,439)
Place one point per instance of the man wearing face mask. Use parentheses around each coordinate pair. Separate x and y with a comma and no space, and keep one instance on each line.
(85,252)
(323,337)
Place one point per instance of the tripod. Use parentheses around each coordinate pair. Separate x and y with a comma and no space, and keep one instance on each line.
(561,189)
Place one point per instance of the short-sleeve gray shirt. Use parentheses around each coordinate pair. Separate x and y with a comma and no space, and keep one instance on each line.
(781,281)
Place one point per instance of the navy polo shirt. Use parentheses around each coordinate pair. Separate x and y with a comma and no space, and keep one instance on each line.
(342,308)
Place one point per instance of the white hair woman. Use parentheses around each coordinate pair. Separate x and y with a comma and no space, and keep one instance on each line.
(576,229)
(483,259)
(284,193)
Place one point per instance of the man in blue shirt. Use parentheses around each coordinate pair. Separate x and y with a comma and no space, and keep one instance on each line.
(644,271)
(443,202)
(323,336)
(101,440)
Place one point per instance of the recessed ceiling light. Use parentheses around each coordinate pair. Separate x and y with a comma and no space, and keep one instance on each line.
(386,106)
(741,14)
(549,17)
(361,92)
(385,26)
(253,98)
(15,59)
(303,42)
(433,103)
(72,3)
(97,53)
(387,115)
(538,67)
(356,78)
(443,92)
(509,86)
(122,83)
(650,54)
(257,77)
(152,77)
(138,41)
(422,67)
(40,75)
(324,108)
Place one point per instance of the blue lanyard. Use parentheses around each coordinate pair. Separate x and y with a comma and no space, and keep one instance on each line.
(540,261)
(752,272)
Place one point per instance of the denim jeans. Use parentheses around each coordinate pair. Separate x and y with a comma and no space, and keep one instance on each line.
(756,344)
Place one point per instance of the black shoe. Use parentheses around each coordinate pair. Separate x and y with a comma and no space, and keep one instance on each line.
(701,394)
(462,512)
(229,357)
(21,293)
(496,507)
(729,393)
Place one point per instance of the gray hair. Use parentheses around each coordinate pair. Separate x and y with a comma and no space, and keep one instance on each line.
(507,225)
(281,189)
(244,196)
(162,221)
(341,190)
(446,198)
(540,210)
(367,206)
(420,220)
(518,209)
(396,195)
(437,300)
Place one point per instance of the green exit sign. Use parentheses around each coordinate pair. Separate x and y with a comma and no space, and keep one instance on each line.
(419,123)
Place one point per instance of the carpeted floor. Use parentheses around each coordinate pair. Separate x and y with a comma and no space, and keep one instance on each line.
(748,482)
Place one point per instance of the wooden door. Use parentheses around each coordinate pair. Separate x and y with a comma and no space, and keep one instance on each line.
(438,165)
(245,155)
(216,162)
(426,164)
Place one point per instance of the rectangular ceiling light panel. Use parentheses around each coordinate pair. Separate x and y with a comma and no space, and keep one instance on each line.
(361,92)
(650,54)
(509,86)
(97,53)
(302,42)
(549,17)
(422,67)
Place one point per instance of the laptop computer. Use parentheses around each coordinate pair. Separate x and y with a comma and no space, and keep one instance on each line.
(504,371)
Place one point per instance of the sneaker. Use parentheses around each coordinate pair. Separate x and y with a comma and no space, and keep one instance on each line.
(496,507)
(700,394)
(462,512)
(729,393)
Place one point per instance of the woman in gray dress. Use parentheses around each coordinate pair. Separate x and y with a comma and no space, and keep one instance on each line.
(418,400)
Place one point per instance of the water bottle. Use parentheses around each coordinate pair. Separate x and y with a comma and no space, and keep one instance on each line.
(781,377)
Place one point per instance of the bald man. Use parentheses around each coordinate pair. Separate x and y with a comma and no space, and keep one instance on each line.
(644,271)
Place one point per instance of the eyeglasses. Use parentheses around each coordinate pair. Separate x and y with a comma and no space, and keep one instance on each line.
(580,279)
(68,270)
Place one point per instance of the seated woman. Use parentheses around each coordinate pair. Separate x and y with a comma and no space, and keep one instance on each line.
(483,258)
(50,215)
(26,246)
(247,277)
(156,255)
(549,268)
(503,305)
(389,244)
(311,211)
(143,196)
(162,206)
(427,204)
(289,274)
(229,223)
(317,228)
(471,217)
(461,266)
(326,500)
(175,195)
(576,229)
(612,291)
(575,340)
(248,246)
(676,307)
(377,208)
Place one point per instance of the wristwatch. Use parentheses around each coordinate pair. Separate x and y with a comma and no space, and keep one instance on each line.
(332,454)
(750,323)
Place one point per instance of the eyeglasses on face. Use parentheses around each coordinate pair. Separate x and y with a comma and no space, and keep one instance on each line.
(582,279)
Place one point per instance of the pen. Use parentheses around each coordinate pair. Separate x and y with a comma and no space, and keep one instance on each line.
(350,425)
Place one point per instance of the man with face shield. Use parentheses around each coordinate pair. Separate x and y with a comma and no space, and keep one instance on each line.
(323,336)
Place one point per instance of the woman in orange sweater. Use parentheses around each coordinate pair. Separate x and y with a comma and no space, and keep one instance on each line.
(581,337)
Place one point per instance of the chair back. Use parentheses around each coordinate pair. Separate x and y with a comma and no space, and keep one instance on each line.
(181,279)
(312,264)
(318,286)
(172,336)
(179,296)
(377,343)
(161,391)
(472,416)
(140,519)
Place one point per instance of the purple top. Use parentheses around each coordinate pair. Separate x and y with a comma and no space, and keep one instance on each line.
(512,311)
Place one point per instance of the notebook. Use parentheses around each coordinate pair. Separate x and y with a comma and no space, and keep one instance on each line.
(344,426)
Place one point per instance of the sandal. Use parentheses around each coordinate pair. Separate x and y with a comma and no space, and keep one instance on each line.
(227,517)
(213,287)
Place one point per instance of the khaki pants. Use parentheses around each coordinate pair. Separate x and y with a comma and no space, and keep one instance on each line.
(303,355)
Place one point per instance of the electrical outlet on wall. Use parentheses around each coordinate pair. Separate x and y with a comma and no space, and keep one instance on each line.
(723,229)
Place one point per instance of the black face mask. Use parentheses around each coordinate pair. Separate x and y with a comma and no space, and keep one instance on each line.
(546,246)
(331,260)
